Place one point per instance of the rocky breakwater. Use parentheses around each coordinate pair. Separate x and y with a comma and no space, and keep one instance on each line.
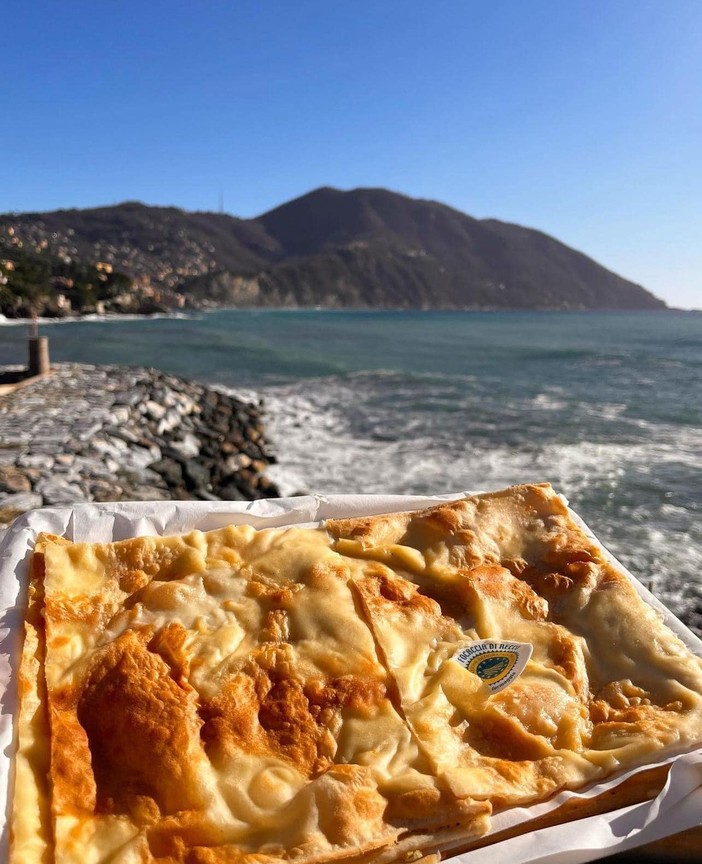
(108,433)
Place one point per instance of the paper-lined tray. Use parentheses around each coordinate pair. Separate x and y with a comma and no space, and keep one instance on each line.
(675,809)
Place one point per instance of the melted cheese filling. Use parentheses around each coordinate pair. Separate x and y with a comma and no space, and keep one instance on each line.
(291,694)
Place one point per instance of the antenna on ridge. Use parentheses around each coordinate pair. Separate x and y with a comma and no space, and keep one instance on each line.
(221,202)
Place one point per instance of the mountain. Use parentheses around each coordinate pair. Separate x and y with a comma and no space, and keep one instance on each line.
(362,248)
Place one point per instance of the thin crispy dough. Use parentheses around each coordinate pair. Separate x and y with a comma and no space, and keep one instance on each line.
(31,835)
(259,696)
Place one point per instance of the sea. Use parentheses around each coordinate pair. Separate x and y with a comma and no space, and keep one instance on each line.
(605,406)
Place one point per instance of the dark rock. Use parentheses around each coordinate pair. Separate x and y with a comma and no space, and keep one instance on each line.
(251,450)
(237,439)
(211,448)
(196,475)
(220,424)
(267,488)
(170,470)
(231,492)
(248,478)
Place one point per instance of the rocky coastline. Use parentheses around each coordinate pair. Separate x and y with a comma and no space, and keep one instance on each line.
(112,433)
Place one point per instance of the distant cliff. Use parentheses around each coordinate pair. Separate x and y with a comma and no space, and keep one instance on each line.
(363,248)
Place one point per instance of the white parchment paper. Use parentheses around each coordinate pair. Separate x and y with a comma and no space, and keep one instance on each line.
(679,806)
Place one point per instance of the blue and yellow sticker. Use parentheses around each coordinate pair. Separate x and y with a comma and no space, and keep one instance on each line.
(496,663)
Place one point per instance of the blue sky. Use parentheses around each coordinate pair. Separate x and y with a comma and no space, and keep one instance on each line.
(583,119)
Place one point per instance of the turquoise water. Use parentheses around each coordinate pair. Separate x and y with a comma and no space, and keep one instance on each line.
(607,406)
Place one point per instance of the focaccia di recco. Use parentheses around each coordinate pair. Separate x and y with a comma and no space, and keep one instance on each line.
(292,694)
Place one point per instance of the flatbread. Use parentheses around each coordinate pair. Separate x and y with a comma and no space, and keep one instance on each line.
(291,694)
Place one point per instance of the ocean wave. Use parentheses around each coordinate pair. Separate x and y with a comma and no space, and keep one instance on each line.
(93,318)
(325,420)
(604,410)
(548,402)
(410,375)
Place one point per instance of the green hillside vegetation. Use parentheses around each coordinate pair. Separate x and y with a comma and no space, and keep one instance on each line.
(35,283)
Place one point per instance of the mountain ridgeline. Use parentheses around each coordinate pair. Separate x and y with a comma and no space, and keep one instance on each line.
(367,248)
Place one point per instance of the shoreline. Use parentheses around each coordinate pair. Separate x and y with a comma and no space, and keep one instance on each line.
(110,433)
(194,314)
(95,318)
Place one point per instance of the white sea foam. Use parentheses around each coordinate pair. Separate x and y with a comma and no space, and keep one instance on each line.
(318,447)
(605,410)
(548,402)
(24,322)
